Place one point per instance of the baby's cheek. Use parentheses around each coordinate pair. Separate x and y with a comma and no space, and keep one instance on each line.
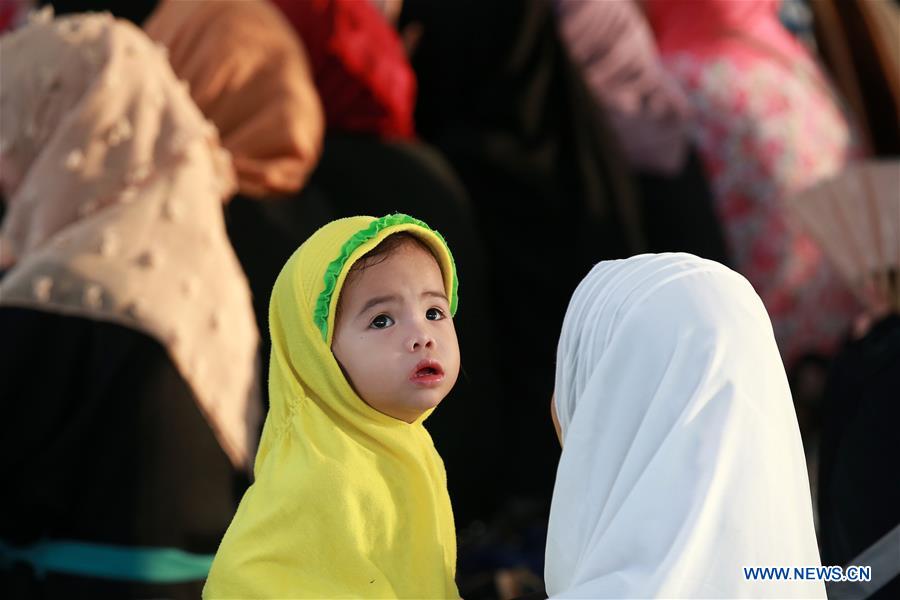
(371,374)
(454,350)
(452,366)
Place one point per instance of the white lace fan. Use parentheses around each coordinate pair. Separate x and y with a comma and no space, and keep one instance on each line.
(855,218)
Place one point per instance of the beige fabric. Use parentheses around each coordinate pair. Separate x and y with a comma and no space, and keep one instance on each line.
(115,206)
(249,74)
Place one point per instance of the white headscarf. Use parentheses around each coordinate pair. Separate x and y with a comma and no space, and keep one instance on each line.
(682,460)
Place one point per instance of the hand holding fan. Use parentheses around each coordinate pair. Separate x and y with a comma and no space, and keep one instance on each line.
(855,218)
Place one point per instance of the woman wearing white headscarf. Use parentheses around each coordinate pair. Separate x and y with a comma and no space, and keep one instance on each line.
(682,461)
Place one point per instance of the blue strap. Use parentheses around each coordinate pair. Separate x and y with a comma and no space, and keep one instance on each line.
(125,563)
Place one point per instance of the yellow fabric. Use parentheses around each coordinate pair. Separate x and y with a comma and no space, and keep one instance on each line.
(347,502)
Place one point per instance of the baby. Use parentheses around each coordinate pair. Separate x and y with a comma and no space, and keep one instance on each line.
(394,338)
(350,497)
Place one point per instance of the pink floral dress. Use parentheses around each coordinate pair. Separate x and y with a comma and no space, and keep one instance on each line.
(767,126)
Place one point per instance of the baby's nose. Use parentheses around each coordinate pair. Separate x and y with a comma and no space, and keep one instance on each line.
(419,341)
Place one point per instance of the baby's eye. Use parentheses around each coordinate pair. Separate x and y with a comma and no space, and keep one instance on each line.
(381,322)
(434,314)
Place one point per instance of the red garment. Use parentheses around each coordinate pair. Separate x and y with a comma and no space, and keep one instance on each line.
(697,26)
(359,65)
(11,12)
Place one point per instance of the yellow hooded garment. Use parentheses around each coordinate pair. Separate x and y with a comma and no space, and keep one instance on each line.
(347,502)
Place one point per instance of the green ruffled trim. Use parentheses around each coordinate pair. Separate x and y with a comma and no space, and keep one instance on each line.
(320,315)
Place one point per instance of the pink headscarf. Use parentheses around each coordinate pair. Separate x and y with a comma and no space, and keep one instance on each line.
(114,190)
(613,45)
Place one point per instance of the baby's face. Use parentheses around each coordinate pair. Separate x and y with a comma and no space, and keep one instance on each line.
(394,336)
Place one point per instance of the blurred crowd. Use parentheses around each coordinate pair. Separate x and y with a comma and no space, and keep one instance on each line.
(153,190)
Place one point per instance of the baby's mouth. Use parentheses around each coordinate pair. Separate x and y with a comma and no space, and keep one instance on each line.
(427,372)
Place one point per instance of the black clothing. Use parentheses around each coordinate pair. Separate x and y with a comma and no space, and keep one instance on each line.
(102,441)
(135,11)
(679,213)
(550,192)
(859,487)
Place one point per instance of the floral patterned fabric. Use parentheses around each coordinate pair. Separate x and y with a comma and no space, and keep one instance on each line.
(767,126)
(764,135)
